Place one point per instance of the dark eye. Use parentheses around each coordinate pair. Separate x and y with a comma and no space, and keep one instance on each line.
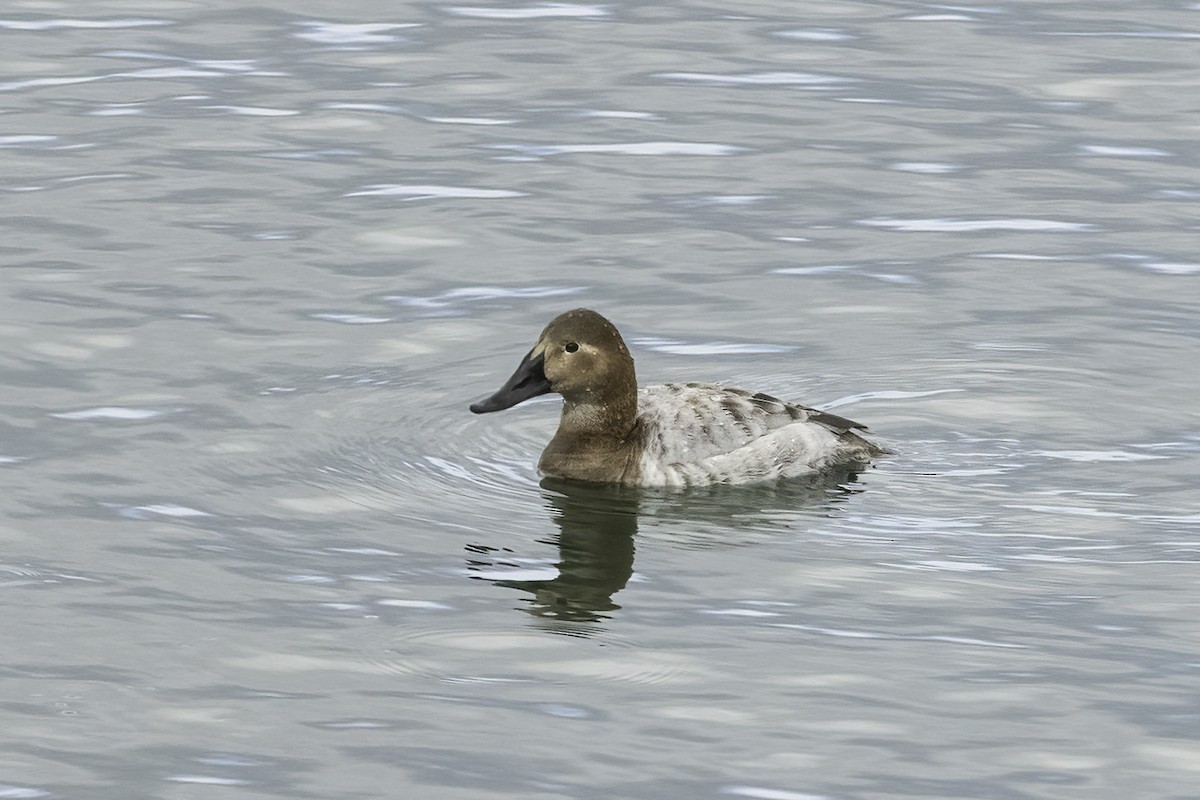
(570,347)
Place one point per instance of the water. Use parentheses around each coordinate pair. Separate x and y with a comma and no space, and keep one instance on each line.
(258,260)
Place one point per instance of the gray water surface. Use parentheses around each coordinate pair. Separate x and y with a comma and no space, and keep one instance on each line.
(257,260)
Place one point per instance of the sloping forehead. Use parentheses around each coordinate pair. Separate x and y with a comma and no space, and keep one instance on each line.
(583,325)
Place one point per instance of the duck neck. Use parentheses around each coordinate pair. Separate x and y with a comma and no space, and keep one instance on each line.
(598,421)
(596,438)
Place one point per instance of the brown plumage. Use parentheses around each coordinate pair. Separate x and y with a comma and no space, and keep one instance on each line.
(666,435)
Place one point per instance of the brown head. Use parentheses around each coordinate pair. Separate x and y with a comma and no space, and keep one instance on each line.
(579,355)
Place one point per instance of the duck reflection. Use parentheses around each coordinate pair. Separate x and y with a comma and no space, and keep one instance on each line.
(597,525)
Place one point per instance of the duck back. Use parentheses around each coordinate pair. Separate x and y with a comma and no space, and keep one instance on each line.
(700,433)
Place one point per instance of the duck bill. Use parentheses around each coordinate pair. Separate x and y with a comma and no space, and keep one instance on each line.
(528,381)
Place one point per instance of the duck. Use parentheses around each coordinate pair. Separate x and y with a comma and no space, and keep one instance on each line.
(667,435)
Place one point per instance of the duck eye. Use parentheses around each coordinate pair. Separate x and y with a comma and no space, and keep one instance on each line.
(570,347)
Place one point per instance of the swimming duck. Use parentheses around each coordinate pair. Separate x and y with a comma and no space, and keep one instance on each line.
(675,434)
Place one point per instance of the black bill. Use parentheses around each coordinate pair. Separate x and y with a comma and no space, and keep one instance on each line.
(528,381)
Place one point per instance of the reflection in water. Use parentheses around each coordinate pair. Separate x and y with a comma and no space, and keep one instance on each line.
(597,524)
(595,543)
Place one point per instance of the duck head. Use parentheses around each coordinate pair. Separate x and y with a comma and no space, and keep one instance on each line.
(579,355)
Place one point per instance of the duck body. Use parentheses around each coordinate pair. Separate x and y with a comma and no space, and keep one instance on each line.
(669,435)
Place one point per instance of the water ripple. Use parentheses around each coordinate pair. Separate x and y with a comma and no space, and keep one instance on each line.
(626,149)
(1091,456)
(939,18)
(344,33)
(1171,268)
(761,793)
(380,472)
(349,319)
(676,347)
(26,139)
(151,73)
(231,65)
(440,118)
(58,183)
(529,12)
(1126,34)
(455,656)
(1114,151)
(207,780)
(473,294)
(936,225)
(431,192)
(925,167)
(866,634)
(115,413)
(10,792)
(254,111)
(756,78)
(94,24)
(180,67)
(856,269)
(817,35)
